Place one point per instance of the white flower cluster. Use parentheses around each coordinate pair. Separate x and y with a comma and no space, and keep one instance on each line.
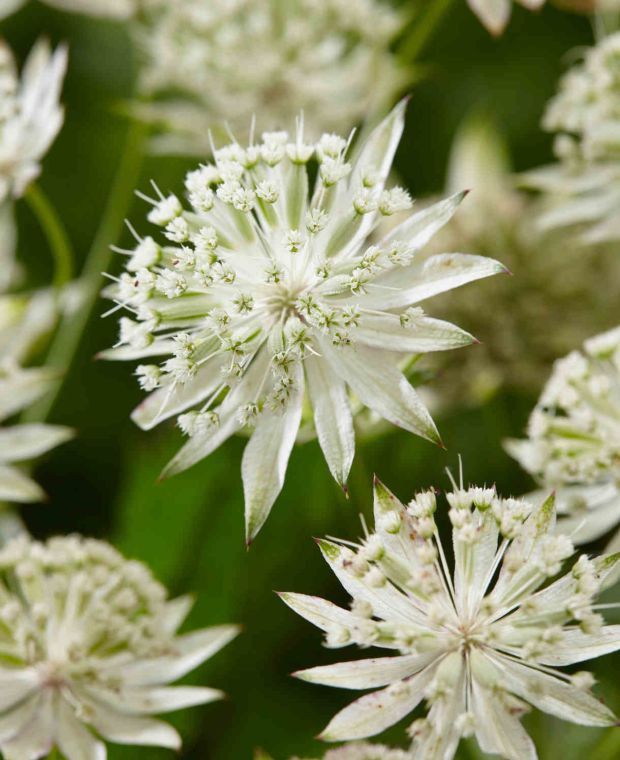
(89,647)
(586,116)
(495,14)
(481,642)
(574,438)
(219,62)
(270,288)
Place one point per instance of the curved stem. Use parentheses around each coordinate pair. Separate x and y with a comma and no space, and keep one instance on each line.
(69,334)
(421,32)
(55,233)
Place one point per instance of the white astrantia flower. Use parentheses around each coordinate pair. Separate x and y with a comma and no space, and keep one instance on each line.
(120,9)
(30,119)
(90,646)
(480,643)
(495,14)
(270,303)
(19,388)
(584,186)
(217,62)
(574,438)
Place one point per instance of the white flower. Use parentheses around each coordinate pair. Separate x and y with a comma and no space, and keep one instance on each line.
(120,9)
(495,14)
(30,114)
(574,438)
(227,61)
(479,643)
(21,443)
(274,309)
(90,648)
(584,185)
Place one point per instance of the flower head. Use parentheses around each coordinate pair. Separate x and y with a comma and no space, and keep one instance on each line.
(495,14)
(574,438)
(30,114)
(585,114)
(90,645)
(224,62)
(269,298)
(481,642)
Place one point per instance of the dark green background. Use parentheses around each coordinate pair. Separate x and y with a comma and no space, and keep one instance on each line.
(190,529)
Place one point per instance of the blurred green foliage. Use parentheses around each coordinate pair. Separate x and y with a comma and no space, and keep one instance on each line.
(190,529)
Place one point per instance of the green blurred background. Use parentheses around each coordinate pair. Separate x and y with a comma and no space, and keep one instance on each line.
(190,529)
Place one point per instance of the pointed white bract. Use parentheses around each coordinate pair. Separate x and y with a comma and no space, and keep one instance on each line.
(216,62)
(270,302)
(364,751)
(495,14)
(574,438)
(90,647)
(479,643)
(584,186)
(119,9)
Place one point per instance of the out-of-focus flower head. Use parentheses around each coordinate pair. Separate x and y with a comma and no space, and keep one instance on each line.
(91,647)
(217,61)
(553,276)
(574,438)
(495,14)
(481,642)
(584,186)
(120,9)
(268,300)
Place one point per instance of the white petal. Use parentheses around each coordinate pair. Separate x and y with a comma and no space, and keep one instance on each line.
(332,417)
(21,388)
(17,718)
(381,387)
(379,710)
(494,14)
(551,695)
(424,278)
(576,646)
(420,227)
(16,686)
(153,700)
(9,6)
(127,729)
(128,353)
(366,674)
(73,739)
(175,612)
(319,612)
(190,650)
(266,456)
(424,335)
(22,442)
(17,487)
(37,738)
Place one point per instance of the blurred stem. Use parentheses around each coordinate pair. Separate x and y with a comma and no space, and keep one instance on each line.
(609,745)
(67,341)
(55,233)
(421,32)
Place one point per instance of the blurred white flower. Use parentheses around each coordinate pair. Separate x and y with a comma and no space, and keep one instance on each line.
(90,648)
(269,301)
(553,275)
(574,438)
(111,8)
(584,186)
(19,388)
(495,14)
(479,643)
(30,119)
(225,61)
(365,751)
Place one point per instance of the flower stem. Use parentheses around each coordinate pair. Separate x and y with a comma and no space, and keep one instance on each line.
(55,233)
(66,343)
(421,32)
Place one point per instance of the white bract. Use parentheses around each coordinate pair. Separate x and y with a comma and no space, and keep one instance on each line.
(272,304)
(574,438)
(585,184)
(480,643)
(222,62)
(120,9)
(19,388)
(495,14)
(89,648)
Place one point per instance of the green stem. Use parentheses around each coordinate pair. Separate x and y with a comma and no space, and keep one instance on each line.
(412,44)
(65,345)
(54,232)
